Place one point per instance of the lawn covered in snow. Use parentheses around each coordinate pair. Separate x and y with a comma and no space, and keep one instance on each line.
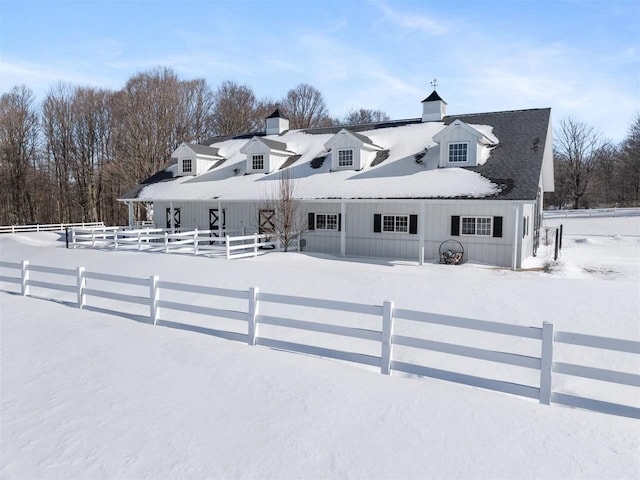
(88,394)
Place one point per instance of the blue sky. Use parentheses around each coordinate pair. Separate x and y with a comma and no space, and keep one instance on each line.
(579,57)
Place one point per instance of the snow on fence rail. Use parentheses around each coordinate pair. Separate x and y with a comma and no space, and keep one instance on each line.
(251,319)
(193,241)
(47,227)
(593,212)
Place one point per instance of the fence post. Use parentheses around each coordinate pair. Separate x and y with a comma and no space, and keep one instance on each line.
(25,278)
(546,363)
(253,315)
(13,229)
(166,242)
(115,239)
(81,283)
(154,296)
(255,244)
(555,254)
(73,237)
(560,237)
(93,238)
(139,240)
(195,241)
(227,244)
(387,334)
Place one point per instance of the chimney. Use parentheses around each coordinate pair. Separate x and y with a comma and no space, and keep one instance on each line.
(277,123)
(433,108)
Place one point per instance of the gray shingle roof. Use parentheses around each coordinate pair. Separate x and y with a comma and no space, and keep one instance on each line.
(203,149)
(274,145)
(277,113)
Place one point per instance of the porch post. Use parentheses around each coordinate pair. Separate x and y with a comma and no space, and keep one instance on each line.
(172,217)
(220,218)
(516,237)
(130,205)
(343,233)
(422,225)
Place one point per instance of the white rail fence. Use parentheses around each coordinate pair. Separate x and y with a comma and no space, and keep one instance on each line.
(47,227)
(160,298)
(592,212)
(195,242)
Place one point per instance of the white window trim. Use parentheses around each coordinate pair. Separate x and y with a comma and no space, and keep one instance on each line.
(395,217)
(183,162)
(254,158)
(326,215)
(449,153)
(353,155)
(475,226)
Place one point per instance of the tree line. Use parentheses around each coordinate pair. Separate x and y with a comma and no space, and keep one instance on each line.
(68,158)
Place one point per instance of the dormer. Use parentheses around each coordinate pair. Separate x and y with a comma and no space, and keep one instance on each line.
(265,155)
(350,150)
(434,108)
(460,145)
(277,123)
(194,159)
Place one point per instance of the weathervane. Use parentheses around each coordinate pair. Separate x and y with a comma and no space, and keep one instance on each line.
(434,83)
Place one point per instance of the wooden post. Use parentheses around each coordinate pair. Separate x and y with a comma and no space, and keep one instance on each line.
(81,283)
(422,222)
(195,241)
(166,242)
(220,219)
(66,236)
(25,278)
(555,254)
(93,238)
(139,240)
(255,244)
(115,239)
(227,244)
(343,230)
(387,334)
(546,363)
(560,236)
(73,237)
(516,237)
(253,315)
(154,296)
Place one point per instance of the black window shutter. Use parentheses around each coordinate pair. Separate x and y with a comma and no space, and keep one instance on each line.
(455,225)
(339,222)
(312,221)
(497,226)
(377,222)
(413,224)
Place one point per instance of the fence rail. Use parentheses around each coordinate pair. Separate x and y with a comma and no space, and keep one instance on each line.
(47,227)
(384,337)
(592,212)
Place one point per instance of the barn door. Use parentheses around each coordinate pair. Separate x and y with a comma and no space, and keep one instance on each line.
(214,220)
(176,218)
(265,221)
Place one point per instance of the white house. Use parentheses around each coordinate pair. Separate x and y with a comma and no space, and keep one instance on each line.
(394,189)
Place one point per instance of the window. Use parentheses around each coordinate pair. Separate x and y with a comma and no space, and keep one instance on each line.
(257,162)
(326,221)
(345,158)
(187,165)
(476,226)
(458,152)
(395,223)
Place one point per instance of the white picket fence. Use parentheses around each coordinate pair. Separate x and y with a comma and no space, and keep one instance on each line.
(162,299)
(592,212)
(195,242)
(47,227)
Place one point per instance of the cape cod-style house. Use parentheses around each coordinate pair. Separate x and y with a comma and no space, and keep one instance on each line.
(394,189)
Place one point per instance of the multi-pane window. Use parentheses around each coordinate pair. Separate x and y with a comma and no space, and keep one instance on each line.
(187,165)
(476,226)
(345,158)
(326,221)
(395,223)
(458,152)
(257,162)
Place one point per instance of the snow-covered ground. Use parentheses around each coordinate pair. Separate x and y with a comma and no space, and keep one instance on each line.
(87,394)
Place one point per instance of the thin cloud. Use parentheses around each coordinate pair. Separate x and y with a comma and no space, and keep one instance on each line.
(411,21)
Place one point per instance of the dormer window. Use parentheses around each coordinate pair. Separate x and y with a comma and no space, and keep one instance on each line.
(345,157)
(187,165)
(458,152)
(257,162)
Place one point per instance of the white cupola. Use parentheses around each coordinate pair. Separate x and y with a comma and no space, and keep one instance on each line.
(434,108)
(277,123)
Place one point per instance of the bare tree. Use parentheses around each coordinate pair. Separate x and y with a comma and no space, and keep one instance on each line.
(234,109)
(283,220)
(18,145)
(576,151)
(630,163)
(306,107)
(364,115)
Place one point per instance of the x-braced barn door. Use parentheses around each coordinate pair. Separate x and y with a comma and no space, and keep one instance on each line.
(265,221)
(176,217)
(214,220)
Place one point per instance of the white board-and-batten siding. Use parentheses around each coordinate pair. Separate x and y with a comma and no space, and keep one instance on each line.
(360,238)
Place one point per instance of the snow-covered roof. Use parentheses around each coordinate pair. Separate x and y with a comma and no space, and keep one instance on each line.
(410,170)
